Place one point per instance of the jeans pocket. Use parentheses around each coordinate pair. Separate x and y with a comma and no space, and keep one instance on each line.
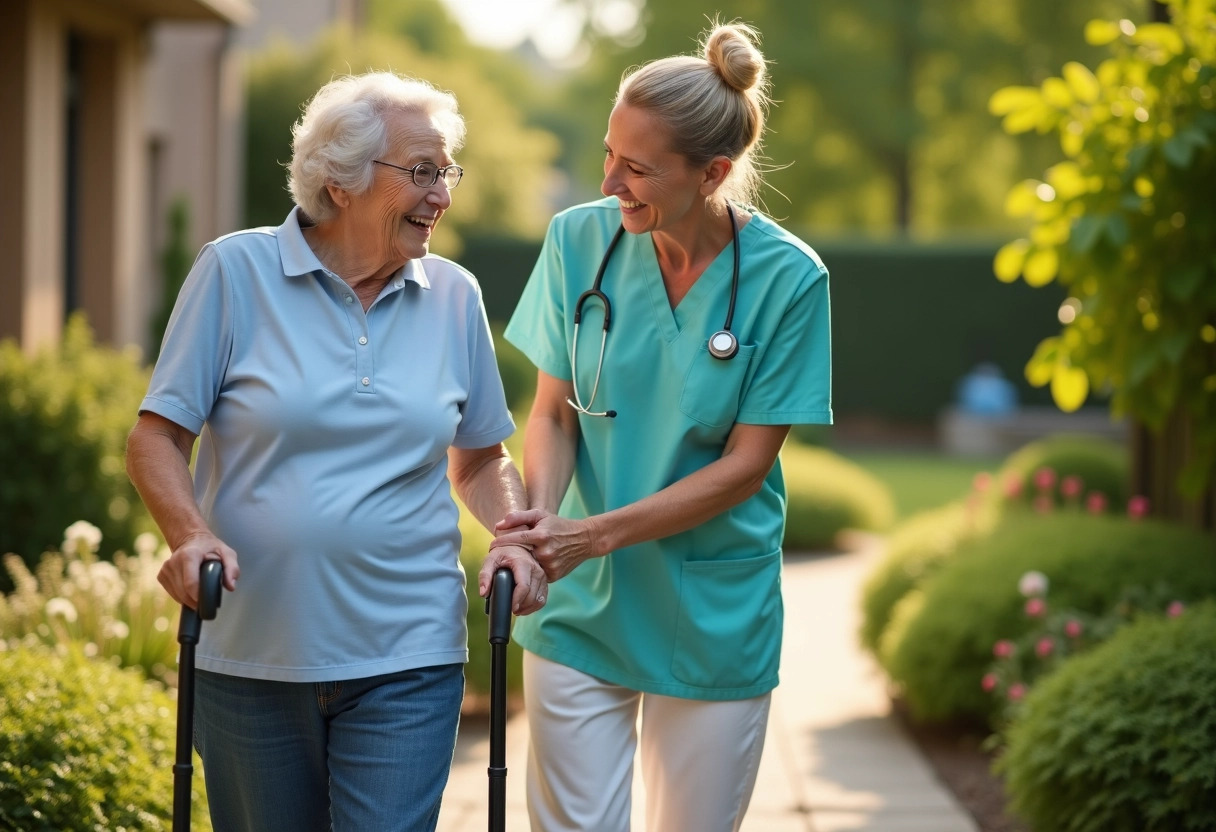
(712,386)
(728,632)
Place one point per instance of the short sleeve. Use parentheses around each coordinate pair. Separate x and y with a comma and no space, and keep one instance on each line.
(792,383)
(484,417)
(193,361)
(537,327)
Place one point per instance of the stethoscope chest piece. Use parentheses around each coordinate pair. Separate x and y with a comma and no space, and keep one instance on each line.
(723,344)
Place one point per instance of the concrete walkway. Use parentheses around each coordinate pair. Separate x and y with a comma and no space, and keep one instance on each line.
(835,758)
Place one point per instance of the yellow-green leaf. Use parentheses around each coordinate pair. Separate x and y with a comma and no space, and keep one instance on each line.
(1067,179)
(1081,82)
(1161,35)
(1008,99)
(1042,365)
(1101,32)
(1041,267)
(1069,387)
(1057,94)
(1052,233)
(1022,198)
(1008,261)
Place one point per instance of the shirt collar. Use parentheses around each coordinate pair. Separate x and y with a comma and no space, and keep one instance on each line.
(299,258)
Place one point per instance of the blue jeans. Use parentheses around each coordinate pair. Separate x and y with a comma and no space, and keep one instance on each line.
(349,756)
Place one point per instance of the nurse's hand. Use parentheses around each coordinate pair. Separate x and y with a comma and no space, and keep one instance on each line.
(557,543)
(531,586)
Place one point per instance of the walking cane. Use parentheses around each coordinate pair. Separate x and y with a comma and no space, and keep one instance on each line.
(498,606)
(211,576)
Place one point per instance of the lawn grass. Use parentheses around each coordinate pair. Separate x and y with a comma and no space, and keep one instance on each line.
(921,479)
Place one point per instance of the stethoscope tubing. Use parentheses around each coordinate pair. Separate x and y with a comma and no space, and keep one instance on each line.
(722,345)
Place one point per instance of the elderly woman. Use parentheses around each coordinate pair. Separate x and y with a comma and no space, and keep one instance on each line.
(343,381)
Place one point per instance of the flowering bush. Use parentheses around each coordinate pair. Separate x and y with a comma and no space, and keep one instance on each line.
(112,610)
(1054,635)
(1063,471)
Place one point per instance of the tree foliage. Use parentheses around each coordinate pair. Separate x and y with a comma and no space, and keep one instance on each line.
(508,170)
(880,120)
(1127,223)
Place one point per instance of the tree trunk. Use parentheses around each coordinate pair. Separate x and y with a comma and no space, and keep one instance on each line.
(1157,459)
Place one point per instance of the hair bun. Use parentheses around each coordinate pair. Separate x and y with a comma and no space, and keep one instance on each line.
(732,49)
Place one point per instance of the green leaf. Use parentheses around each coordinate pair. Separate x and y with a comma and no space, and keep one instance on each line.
(1182,285)
(1117,230)
(1178,151)
(1143,362)
(1137,158)
(1086,231)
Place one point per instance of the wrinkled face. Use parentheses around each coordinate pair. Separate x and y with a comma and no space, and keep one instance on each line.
(394,218)
(655,185)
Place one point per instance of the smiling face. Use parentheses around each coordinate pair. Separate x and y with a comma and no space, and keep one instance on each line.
(394,218)
(656,186)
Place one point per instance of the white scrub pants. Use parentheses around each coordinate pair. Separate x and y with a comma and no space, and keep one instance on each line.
(699,759)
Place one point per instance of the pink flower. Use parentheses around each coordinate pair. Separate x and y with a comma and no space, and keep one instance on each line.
(1003,649)
(1033,583)
(1035,607)
(1044,479)
(1013,487)
(981,481)
(988,683)
(1073,628)
(1043,504)
(1045,647)
(1071,486)
(1016,692)
(1095,503)
(1137,507)
(1175,609)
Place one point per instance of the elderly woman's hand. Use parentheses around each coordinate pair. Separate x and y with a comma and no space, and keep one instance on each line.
(179,574)
(558,544)
(531,586)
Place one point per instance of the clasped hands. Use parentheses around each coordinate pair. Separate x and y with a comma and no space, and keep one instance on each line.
(556,545)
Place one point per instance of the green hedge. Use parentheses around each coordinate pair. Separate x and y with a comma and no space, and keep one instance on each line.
(973,601)
(1101,466)
(1122,739)
(828,494)
(64,418)
(84,745)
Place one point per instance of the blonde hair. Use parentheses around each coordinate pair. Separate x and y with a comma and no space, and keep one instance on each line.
(715,105)
(344,128)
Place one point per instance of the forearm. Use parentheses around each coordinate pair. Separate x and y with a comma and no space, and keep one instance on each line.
(488,483)
(549,454)
(159,467)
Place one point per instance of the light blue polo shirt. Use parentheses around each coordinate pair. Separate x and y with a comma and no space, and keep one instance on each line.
(322,458)
(696,614)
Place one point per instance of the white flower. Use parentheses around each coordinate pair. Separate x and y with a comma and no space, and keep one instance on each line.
(117,629)
(84,531)
(146,544)
(107,584)
(1033,584)
(61,607)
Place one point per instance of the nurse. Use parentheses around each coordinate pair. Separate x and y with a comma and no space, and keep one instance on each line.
(651,454)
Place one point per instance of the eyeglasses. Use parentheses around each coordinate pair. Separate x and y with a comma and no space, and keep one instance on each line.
(426,174)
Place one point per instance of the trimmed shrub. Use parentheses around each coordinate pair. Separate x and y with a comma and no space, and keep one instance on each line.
(1122,739)
(1040,469)
(914,550)
(84,745)
(828,494)
(973,601)
(64,419)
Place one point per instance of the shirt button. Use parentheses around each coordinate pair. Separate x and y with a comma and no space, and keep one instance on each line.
(366,381)
(350,299)
(362,339)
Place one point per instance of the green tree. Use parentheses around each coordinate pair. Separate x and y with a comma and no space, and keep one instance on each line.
(1127,223)
(880,121)
(508,164)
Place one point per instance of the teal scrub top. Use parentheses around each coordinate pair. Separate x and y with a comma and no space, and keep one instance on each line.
(697,614)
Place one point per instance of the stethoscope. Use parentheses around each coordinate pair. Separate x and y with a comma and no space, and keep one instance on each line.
(722,344)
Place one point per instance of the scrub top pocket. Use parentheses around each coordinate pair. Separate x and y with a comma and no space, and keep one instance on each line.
(712,386)
(728,632)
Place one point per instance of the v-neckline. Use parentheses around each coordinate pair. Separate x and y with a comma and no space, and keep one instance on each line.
(718,272)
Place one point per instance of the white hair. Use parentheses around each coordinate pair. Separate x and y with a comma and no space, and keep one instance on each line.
(344,128)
